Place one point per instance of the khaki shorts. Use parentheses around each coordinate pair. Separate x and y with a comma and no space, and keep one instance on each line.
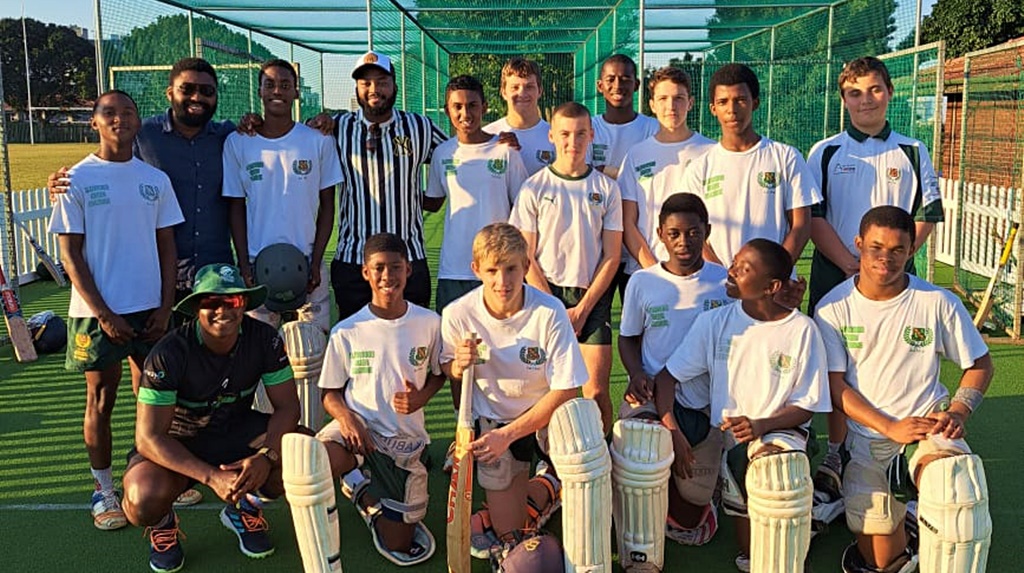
(516,460)
(737,456)
(706,447)
(89,348)
(316,310)
(871,507)
(398,473)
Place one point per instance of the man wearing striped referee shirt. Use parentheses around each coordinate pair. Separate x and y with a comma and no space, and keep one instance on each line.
(382,153)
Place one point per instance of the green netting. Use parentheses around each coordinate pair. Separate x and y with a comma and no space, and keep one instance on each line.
(989,166)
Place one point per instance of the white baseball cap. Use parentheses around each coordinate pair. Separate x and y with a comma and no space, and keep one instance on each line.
(375,59)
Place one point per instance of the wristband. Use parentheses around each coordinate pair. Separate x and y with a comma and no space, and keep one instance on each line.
(969,397)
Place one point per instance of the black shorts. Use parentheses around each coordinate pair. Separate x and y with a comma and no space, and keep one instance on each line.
(597,329)
(225,444)
(352,292)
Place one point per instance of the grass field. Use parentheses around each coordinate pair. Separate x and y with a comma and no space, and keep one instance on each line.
(45,482)
(30,164)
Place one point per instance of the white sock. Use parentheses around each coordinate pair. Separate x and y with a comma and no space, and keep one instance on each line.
(833,447)
(104,479)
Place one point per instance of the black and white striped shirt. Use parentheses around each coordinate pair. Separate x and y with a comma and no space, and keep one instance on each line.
(382,189)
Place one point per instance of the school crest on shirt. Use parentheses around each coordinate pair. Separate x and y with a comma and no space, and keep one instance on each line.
(418,355)
(302,166)
(595,198)
(255,171)
(782,363)
(545,156)
(893,175)
(497,166)
(149,192)
(710,303)
(532,355)
(918,336)
(402,145)
(768,180)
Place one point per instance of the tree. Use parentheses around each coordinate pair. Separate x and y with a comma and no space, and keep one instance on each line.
(967,25)
(62,65)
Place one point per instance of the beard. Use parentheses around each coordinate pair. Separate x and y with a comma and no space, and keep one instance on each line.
(382,108)
(181,113)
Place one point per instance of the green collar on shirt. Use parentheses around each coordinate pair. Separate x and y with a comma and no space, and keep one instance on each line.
(861,137)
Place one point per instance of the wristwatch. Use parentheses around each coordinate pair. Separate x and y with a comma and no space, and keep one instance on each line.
(270,454)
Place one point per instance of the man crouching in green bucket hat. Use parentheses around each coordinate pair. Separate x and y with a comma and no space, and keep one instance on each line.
(195,422)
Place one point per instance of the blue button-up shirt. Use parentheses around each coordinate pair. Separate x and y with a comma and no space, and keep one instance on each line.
(196,171)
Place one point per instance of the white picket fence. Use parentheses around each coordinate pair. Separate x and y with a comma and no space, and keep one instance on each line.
(32,208)
(988,212)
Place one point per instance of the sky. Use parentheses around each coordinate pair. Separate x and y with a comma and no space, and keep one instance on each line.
(70,12)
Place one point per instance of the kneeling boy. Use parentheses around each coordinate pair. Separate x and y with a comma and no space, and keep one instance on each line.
(379,370)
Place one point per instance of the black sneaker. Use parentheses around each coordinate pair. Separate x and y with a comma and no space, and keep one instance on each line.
(247,522)
(165,553)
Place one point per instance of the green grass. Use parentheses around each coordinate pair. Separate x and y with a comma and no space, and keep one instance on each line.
(31,164)
(45,482)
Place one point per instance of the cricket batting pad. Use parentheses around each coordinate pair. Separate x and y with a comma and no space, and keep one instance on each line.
(779,498)
(580,456)
(953,519)
(641,463)
(306,472)
(306,344)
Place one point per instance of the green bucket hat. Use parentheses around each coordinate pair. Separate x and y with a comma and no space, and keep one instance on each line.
(221,279)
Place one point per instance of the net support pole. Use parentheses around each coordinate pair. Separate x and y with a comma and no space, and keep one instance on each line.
(404,102)
(732,51)
(192,36)
(828,73)
(423,74)
(771,81)
(248,74)
(98,22)
(640,54)
(1018,288)
(369,25)
(961,174)
(940,88)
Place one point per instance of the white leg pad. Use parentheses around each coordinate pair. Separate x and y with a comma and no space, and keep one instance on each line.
(306,344)
(779,498)
(641,466)
(309,487)
(580,456)
(953,518)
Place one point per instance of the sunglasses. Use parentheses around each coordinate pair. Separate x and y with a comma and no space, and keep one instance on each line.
(373,138)
(189,89)
(229,301)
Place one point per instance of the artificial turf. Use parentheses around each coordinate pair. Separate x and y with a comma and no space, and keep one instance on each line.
(45,483)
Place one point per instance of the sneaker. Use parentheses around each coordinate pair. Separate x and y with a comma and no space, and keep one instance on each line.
(482,537)
(449,459)
(165,553)
(106,511)
(696,536)
(828,493)
(247,522)
(190,496)
(743,562)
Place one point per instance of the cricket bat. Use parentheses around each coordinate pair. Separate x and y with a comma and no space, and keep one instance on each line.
(21,338)
(987,300)
(56,271)
(460,490)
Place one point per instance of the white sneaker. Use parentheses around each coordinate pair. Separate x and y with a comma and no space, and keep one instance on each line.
(106,511)
(743,562)
(190,496)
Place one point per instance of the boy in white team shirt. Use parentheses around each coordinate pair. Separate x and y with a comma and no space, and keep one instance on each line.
(767,369)
(652,170)
(885,331)
(521,90)
(281,187)
(754,188)
(527,363)
(115,227)
(660,305)
(380,369)
(620,127)
(571,216)
(480,177)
